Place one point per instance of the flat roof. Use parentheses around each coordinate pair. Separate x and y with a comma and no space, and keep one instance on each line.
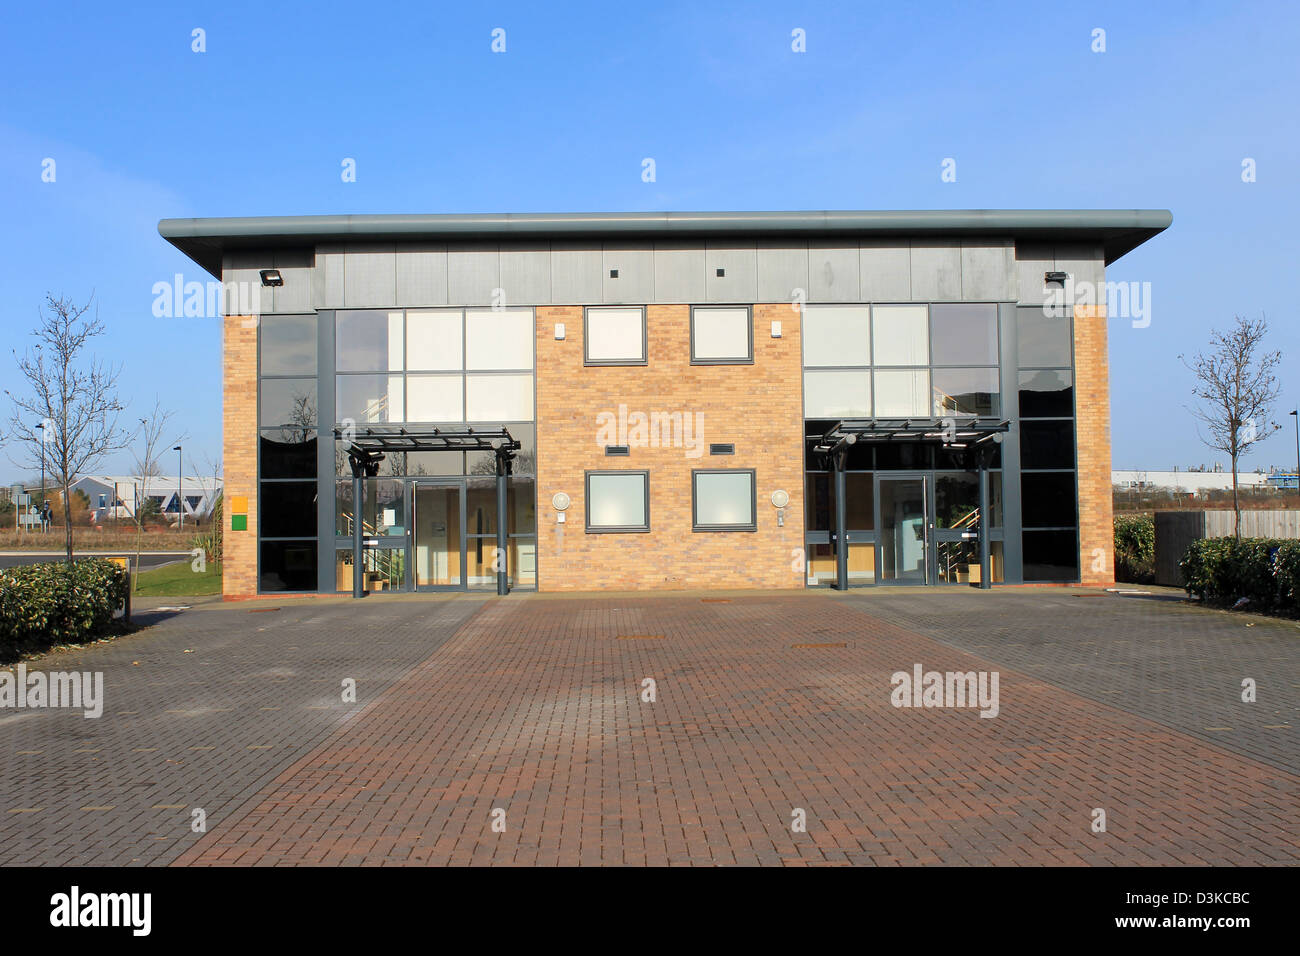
(1117,230)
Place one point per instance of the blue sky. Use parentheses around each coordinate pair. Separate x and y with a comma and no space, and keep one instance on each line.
(142,128)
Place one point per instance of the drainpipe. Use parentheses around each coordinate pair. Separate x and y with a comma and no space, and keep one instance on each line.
(503,479)
(839,458)
(357,590)
(986,579)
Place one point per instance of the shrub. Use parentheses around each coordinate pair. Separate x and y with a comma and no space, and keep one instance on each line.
(46,604)
(1135,548)
(1224,570)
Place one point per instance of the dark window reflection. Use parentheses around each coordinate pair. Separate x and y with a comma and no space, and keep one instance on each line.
(1047,444)
(964,334)
(288,402)
(1047,393)
(288,509)
(1047,500)
(1051,555)
(288,453)
(288,566)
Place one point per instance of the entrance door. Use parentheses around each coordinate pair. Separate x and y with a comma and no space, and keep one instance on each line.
(438,535)
(905,530)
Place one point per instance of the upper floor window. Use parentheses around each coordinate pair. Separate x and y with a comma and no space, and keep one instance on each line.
(614,336)
(722,335)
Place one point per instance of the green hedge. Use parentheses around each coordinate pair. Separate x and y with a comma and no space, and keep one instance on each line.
(1265,570)
(46,604)
(1135,548)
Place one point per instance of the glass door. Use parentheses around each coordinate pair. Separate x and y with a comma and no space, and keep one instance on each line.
(438,535)
(905,530)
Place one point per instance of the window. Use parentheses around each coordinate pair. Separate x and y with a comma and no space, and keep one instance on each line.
(433,341)
(1048,499)
(903,393)
(836,335)
(287,566)
(288,453)
(498,398)
(618,501)
(499,339)
(966,391)
(722,336)
(368,341)
(287,345)
(964,334)
(288,401)
(434,398)
(837,394)
(1046,393)
(900,335)
(434,366)
(288,509)
(1047,444)
(1051,555)
(723,501)
(614,336)
(1044,338)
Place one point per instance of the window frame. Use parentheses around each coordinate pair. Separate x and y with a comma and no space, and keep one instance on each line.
(614,529)
(749,334)
(587,360)
(752,525)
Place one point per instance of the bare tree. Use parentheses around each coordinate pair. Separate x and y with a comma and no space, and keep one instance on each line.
(148,445)
(1236,383)
(73,396)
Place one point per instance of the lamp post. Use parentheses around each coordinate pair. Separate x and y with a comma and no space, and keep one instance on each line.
(1296,416)
(180,486)
(41,428)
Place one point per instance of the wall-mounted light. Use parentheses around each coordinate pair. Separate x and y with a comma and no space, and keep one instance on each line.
(780,498)
(1050,277)
(560,502)
(271,277)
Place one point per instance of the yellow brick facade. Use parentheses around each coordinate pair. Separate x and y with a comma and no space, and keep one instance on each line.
(757,407)
(239,452)
(1092,433)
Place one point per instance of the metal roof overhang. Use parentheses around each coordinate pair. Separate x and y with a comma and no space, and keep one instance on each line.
(1117,230)
(947,430)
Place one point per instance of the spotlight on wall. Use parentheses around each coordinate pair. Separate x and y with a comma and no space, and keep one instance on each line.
(272,277)
(1049,277)
(780,498)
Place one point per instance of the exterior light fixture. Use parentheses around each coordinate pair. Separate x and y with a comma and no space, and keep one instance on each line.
(271,277)
(1060,277)
(776,328)
(560,502)
(559,331)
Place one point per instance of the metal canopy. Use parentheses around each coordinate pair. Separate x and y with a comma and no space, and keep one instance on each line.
(948,430)
(367,447)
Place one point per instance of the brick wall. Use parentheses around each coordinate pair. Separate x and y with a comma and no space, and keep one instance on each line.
(239,452)
(758,407)
(1092,404)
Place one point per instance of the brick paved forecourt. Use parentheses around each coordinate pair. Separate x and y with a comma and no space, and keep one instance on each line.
(532,705)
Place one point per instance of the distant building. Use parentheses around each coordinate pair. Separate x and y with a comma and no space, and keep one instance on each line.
(114,496)
(1190,481)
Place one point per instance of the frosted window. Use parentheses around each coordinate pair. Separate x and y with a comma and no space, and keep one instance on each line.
(836,335)
(900,336)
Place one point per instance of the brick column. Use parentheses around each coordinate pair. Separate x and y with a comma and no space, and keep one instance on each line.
(239,453)
(1092,435)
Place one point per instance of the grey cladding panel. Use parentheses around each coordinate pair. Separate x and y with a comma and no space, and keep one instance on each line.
(296,269)
(782,267)
(473,274)
(679,273)
(576,274)
(833,272)
(635,284)
(422,275)
(886,269)
(1032,261)
(370,277)
(526,274)
(739,281)
(988,271)
(936,271)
